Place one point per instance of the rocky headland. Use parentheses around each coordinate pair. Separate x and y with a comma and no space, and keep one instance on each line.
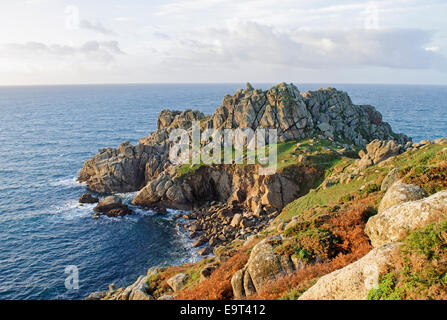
(321,216)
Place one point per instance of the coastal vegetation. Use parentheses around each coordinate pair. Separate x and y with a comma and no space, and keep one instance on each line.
(357,213)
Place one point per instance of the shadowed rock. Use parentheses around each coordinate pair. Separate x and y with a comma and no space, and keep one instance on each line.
(88,198)
(400,192)
(112,206)
(354,281)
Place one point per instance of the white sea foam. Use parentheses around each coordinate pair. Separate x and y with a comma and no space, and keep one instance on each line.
(67,182)
(72,209)
(171,214)
(142,212)
(127,197)
(182,235)
(187,242)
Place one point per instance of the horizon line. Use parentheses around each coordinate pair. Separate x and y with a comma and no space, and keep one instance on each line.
(214,83)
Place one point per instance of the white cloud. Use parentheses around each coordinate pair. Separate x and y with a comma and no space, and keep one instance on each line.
(74,22)
(250,42)
(193,40)
(95,26)
(103,52)
(36,1)
(180,6)
(371,16)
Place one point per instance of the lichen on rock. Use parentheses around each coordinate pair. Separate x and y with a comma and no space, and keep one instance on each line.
(392,224)
(354,281)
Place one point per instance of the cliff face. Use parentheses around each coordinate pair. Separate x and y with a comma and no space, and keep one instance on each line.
(129,168)
(375,232)
(240,185)
(326,225)
(299,115)
(326,112)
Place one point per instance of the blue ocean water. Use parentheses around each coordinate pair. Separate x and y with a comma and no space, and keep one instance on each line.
(47,132)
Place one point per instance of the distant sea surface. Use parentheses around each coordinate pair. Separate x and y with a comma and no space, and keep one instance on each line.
(47,132)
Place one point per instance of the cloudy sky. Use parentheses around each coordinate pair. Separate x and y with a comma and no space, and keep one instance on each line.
(146,41)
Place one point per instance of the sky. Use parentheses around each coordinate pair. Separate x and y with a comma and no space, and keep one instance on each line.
(216,41)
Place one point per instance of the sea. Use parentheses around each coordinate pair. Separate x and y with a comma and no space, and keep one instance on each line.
(47,132)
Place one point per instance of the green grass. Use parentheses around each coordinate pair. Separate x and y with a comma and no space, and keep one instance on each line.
(321,197)
(428,156)
(317,152)
(193,277)
(152,277)
(423,271)
(430,241)
(423,156)
(371,188)
(194,272)
(387,289)
(307,239)
(187,170)
(293,294)
(426,168)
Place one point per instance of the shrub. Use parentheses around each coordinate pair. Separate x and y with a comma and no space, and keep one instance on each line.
(307,239)
(421,267)
(387,289)
(218,285)
(291,287)
(346,198)
(371,188)
(346,224)
(430,178)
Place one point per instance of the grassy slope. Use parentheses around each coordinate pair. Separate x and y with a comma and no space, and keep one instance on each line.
(320,152)
(420,269)
(430,156)
(347,216)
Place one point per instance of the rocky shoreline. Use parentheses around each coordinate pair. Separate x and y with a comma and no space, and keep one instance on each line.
(327,114)
(326,141)
(146,167)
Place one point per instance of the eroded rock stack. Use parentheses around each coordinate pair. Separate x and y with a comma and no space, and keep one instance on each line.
(295,115)
(129,168)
